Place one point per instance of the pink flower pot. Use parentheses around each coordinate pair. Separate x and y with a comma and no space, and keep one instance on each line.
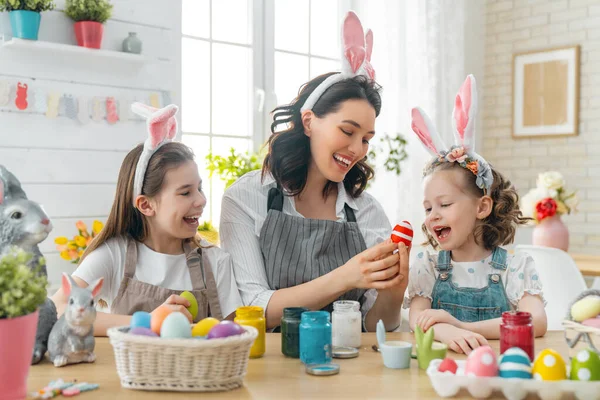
(17,338)
(89,34)
(551,232)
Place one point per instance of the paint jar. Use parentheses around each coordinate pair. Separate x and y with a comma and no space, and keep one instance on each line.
(315,338)
(346,323)
(253,316)
(290,331)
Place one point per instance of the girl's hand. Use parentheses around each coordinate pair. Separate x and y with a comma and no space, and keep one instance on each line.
(459,340)
(374,268)
(430,317)
(177,303)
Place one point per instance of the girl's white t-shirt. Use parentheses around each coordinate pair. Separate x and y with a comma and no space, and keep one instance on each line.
(164,270)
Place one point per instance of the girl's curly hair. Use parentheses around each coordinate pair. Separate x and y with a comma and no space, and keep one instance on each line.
(499,227)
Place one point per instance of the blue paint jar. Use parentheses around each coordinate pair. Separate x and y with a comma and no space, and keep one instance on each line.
(315,338)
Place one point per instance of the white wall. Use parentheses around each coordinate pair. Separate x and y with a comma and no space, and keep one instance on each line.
(69,167)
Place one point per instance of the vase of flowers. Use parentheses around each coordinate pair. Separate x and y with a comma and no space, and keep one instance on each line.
(545,204)
(72,250)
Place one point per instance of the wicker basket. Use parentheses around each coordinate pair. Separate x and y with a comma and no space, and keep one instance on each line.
(579,337)
(184,365)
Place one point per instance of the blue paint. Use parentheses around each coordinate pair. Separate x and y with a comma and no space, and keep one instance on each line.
(315,337)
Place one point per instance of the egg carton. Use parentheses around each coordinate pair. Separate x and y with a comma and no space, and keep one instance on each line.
(447,384)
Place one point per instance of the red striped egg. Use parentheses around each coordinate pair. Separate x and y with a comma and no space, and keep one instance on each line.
(403,232)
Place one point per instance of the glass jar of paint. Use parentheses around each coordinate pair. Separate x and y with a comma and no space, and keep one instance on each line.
(346,323)
(290,331)
(315,338)
(253,316)
(516,330)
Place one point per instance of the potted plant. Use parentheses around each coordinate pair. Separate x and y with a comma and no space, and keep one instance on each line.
(233,166)
(25,16)
(22,291)
(89,15)
(545,204)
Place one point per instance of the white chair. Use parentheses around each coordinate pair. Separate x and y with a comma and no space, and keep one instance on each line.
(560,278)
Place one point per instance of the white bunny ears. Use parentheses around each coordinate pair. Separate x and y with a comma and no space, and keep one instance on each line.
(463,120)
(162,127)
(356,57)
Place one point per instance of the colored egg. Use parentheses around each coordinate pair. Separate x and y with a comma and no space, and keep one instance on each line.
(158,316)
(588,307)
(514,363)
(402,232)
(482,362)
(140,330)
(140,319)
(549,366)
(224,329)
(593,322)
(204,326)
(176,325)
(448,365)
(193,308)
(585,366)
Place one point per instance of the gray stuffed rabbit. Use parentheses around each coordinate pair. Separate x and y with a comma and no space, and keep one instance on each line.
(72,337)
(24,223)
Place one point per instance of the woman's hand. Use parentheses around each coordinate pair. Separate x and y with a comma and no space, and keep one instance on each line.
(177,303)
(375,268)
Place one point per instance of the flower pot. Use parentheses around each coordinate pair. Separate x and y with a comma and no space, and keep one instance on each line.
(551,232)
(89,34)
(17,338)
(25,24)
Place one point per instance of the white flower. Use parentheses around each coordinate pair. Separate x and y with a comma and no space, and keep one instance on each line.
(529,201)
(572,202)
(551,180)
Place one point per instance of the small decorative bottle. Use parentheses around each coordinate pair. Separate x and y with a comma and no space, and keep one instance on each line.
(132,44)
(253,316)
(315,338)
(290,331)
(346,323)
(516,330)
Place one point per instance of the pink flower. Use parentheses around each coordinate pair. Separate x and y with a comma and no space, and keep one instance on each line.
(457,154)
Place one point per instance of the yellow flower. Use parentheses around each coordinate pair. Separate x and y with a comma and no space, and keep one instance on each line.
(65,255)
(80,253)
(80,241)
(72,245)
(97,227)
(61,240)
(561,208)
(61,247)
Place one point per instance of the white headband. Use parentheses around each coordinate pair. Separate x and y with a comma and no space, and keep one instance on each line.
(463,119)
(162,127)
(356,58)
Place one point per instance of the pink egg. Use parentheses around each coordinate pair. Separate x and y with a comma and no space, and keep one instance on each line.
(224,329)
(482,362)
(593,322)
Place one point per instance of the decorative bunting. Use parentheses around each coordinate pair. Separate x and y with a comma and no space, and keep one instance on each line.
(70,106)
(83,114)
(53,104)
(21,99)
(4,93)
(112,115)
(97,109)
(154,100)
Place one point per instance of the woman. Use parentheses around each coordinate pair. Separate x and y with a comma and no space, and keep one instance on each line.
(302,232)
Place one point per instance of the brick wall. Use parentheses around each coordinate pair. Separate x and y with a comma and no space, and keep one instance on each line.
(514,26)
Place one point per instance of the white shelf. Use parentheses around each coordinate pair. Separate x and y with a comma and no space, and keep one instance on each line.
(73,52)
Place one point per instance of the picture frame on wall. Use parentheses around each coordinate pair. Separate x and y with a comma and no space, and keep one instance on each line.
(546,93)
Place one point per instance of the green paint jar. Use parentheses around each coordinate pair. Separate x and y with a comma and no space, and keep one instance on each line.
(290,331)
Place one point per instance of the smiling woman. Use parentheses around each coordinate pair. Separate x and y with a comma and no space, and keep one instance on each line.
(303,233)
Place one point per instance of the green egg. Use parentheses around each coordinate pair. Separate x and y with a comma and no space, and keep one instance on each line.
(585,366)
(193,308)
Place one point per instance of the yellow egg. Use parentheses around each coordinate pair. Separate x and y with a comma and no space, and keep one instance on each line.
(203,326)
(549,366)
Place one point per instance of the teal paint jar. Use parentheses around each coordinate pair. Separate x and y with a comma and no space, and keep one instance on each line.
(315,337)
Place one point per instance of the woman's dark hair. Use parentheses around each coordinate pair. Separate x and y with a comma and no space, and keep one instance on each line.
(500,226)
(289,154)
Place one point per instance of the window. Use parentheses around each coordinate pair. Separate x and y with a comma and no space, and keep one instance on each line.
(240,58)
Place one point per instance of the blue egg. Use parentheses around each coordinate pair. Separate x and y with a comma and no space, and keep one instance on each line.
(140,319)
(515,363)
(176,325)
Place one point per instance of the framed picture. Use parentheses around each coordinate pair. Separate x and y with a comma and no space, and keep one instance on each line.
(546,93)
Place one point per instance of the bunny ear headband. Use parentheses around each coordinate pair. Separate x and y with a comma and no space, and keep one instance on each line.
(356,58)
(463,118)
(162,127)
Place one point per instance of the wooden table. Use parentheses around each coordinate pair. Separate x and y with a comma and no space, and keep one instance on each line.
(275,376)
(589,265)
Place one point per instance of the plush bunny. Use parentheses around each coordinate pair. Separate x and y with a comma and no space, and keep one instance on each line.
(24,223)
(72,337)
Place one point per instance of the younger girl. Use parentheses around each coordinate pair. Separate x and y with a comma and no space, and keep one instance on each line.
(149,250)
(471,210)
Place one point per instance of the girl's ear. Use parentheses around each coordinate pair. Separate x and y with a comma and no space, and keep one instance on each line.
(145,206)
(484,209)
(307,117)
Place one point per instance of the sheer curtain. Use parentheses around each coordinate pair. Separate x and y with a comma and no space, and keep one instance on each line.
(421,54)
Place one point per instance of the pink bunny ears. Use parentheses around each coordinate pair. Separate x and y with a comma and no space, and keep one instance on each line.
(356,57)
(162,127)
(463,121)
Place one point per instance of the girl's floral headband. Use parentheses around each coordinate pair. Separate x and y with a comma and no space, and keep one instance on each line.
(463,118)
